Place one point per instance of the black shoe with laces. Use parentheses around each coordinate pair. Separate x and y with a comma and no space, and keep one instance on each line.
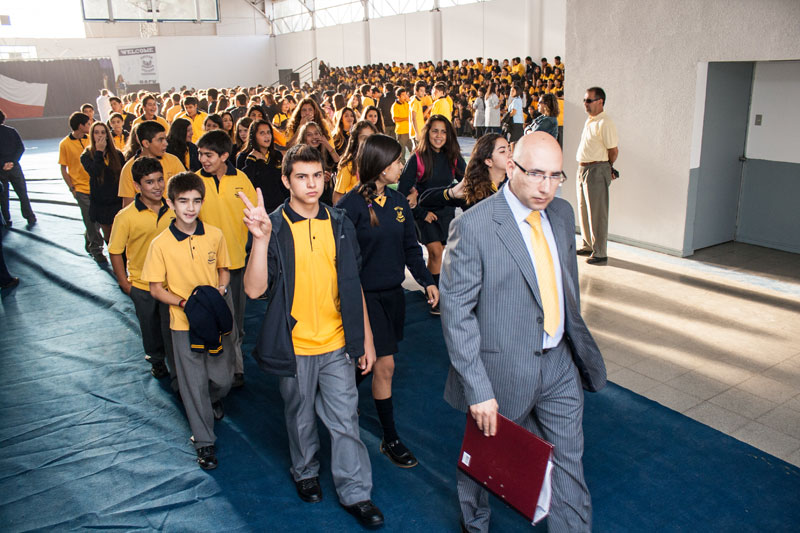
(207,457)
(309,490)
(367,514)
(398,454)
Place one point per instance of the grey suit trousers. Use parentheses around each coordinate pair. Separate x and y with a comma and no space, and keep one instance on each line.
(557,417)
(325,385)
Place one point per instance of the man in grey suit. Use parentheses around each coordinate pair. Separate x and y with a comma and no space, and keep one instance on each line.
(511,318)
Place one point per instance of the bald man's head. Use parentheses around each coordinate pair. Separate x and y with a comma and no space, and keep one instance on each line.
(539,154)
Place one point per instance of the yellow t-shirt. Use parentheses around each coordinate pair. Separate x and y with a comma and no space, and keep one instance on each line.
(315,304)
(223,209)
(170,164)
(69,155)
(560,111)
(345,180)
(400,112)
(134,229)
(183,262)
(158,119)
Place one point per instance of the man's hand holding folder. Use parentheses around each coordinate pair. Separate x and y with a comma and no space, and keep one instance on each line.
(485,415)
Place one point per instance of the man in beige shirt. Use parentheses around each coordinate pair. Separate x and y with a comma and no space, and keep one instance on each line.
(597,152)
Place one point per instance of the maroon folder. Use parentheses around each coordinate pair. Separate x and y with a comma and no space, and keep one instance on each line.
(513,465)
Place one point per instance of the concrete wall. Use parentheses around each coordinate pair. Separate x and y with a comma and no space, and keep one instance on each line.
(646,55)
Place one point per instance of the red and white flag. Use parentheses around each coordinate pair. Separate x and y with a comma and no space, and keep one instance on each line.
(20,99)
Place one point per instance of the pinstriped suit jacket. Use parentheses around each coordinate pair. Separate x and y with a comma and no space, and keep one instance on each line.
(492,314)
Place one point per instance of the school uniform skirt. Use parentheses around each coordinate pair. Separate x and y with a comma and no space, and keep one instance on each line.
(437,230)
(387,315)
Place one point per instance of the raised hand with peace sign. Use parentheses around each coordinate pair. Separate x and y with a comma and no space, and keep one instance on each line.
(255,217)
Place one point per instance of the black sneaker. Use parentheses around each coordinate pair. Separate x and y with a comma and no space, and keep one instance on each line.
(398,454)
(367,513)
(159,370)
(309,490)
(218,409)
(207,457)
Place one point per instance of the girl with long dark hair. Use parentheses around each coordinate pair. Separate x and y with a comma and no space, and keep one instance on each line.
(262,163)
(437,162)
(179,144)
(485,173)
(387,241)
(347,176)
(103,162)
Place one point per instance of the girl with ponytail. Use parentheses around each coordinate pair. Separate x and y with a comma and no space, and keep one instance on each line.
(388,241)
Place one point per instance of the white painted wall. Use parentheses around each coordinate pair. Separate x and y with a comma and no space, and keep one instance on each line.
(776,87)
(496,29)
(645,55)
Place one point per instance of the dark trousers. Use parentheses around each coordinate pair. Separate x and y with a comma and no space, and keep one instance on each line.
(5,275)
(154,322)
(16,179)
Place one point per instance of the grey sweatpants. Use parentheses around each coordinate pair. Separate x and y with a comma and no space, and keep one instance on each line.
(325,385)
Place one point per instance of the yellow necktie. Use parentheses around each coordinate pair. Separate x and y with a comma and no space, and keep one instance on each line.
(380,200)
(545,273)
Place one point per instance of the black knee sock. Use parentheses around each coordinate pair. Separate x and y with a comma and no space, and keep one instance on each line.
(436,279)
(386,416)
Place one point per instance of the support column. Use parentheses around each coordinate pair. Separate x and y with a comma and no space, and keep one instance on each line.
(437,34)
(534,20)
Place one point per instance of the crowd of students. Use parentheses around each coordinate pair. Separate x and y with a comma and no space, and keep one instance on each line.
(202,204)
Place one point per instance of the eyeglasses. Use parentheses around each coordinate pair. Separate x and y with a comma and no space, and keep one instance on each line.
(589,100)
(538,177)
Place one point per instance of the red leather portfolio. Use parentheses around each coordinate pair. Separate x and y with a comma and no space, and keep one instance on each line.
(514,465)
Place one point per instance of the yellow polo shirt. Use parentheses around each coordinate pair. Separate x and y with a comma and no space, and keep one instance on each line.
(367,101)
(183,262)
(345,180)
(134,229)
(158,119)
(223,209)
(315,305)
(399,112)
(69,155)
(119,142)
(197,124)
(173,112)
(598,137)
(170,164)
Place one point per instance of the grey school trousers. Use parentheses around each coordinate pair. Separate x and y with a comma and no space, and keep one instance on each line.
(593,183)
(325,385)
(202,380)
(92,237)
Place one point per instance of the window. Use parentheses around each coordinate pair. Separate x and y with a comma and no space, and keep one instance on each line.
(17,52)
(146,10)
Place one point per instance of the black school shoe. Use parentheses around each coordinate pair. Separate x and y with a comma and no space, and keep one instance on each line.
(309,490)
(218,409)
(159,370)
(207,457)
(238,380)
(398,454)
(367,514)
(435,310)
